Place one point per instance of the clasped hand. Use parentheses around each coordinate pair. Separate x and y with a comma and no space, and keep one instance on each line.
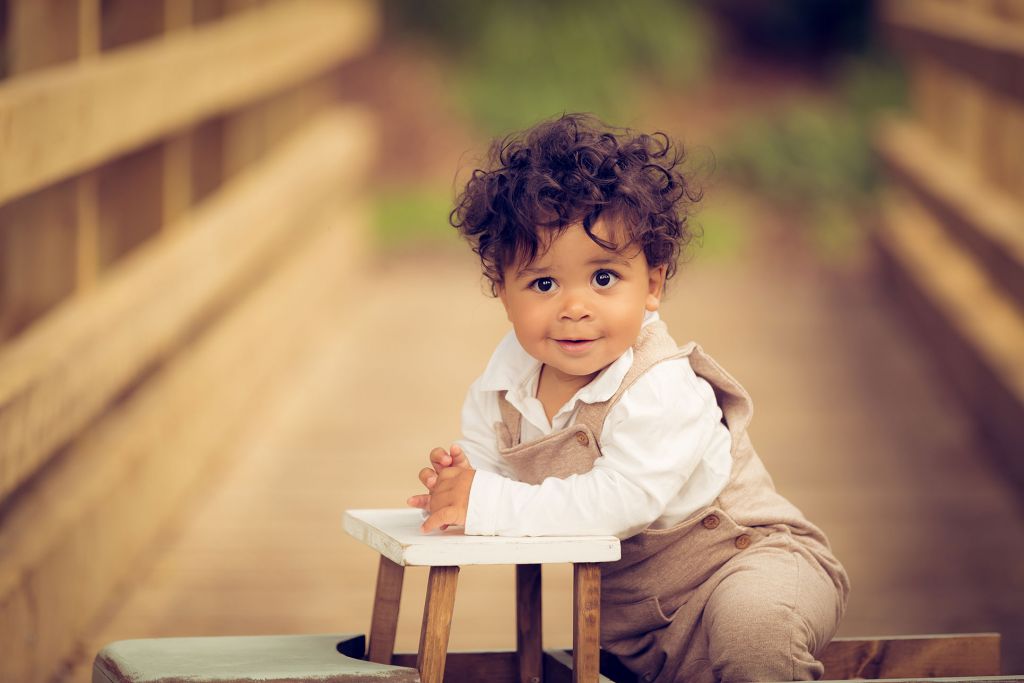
(448,481)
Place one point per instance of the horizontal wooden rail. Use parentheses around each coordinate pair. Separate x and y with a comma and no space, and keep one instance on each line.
(973,326)
(63,372)
(63,120)
(969,654)
(75,535)
(988,222)
(990,49)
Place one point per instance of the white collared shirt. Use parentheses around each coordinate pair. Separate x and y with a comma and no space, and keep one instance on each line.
(664,450)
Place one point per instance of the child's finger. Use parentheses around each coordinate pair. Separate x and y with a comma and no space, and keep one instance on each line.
(458,457)
(428,477)
(440,459)
(440,518)
(421,501)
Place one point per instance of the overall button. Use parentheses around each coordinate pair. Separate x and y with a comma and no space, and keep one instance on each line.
(742,542)
(582,439)
(711,522)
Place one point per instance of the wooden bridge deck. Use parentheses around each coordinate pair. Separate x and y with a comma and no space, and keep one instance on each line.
(849,418)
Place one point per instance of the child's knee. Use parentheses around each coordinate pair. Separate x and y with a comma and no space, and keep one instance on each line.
(768,622)
(770,644)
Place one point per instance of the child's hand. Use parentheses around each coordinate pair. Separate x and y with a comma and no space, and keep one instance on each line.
(440,459)
(448,500)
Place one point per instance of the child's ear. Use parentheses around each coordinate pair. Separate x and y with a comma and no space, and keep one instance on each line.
(655,287)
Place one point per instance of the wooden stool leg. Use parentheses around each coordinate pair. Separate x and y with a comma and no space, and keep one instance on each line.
(586,622)
(528,623)
(437,620)
(384,622)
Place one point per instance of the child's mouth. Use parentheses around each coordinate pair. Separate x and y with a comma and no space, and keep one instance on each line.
(575,345)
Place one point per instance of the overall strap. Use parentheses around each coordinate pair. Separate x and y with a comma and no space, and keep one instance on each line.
(653,345)
(510,428)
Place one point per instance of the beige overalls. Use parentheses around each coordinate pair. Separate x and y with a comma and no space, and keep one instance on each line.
(746,589)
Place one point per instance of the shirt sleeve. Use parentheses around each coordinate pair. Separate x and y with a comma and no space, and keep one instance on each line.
(479,442)
(651,443)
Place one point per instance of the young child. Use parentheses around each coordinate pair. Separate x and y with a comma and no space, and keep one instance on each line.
(590,420)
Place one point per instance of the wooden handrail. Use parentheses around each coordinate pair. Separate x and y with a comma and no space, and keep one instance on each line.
(81,530)
(990,49)
(62,372)
(63,120)
(986,221)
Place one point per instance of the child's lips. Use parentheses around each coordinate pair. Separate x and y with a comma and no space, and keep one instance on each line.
(575,345)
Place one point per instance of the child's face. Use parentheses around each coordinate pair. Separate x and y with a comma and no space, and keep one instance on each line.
(577,307)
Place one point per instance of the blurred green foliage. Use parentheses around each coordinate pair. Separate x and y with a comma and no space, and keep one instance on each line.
(516,63)
(411,215)
(816,154)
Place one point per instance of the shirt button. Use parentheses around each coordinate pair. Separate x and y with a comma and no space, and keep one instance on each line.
(582,439)
(742,542)
(711,522)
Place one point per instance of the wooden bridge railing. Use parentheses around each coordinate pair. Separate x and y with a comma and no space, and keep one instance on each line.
(952,233)
(179,199)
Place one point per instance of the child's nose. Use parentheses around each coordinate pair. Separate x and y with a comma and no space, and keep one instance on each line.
(575,308)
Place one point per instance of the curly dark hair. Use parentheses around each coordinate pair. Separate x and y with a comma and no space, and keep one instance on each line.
(572,170)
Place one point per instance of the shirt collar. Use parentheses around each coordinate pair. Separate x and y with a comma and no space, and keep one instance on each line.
(514,370)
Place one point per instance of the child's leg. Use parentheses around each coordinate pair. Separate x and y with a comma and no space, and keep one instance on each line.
(770,616)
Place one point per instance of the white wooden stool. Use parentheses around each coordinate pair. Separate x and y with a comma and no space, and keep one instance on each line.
(396,535)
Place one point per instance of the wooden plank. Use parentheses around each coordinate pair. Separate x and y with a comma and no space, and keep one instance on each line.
(89,30)
(63,372)
(437,623)
(87,249)
(386,601)
(988,48)
(586,622)
(177,148)
(974,330)
(932,656)
(176,192)
(87,240)
(955,679)
(72,537)
(529,632)
(67,119)
(984,220)
(493,667)
(38,259)
(245,139)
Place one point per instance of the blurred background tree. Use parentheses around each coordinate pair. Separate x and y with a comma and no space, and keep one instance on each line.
(801,146)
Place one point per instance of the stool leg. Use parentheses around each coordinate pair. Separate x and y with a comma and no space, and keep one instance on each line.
(528,623)
(586,622)
(384,622)
(437,620)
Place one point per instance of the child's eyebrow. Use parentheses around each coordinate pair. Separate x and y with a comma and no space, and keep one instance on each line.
(608,260)
(604,261)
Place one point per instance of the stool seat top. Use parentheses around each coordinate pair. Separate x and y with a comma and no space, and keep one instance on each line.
(396,535)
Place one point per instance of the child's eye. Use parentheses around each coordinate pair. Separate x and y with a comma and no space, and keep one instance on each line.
(543,285)
(603,279)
